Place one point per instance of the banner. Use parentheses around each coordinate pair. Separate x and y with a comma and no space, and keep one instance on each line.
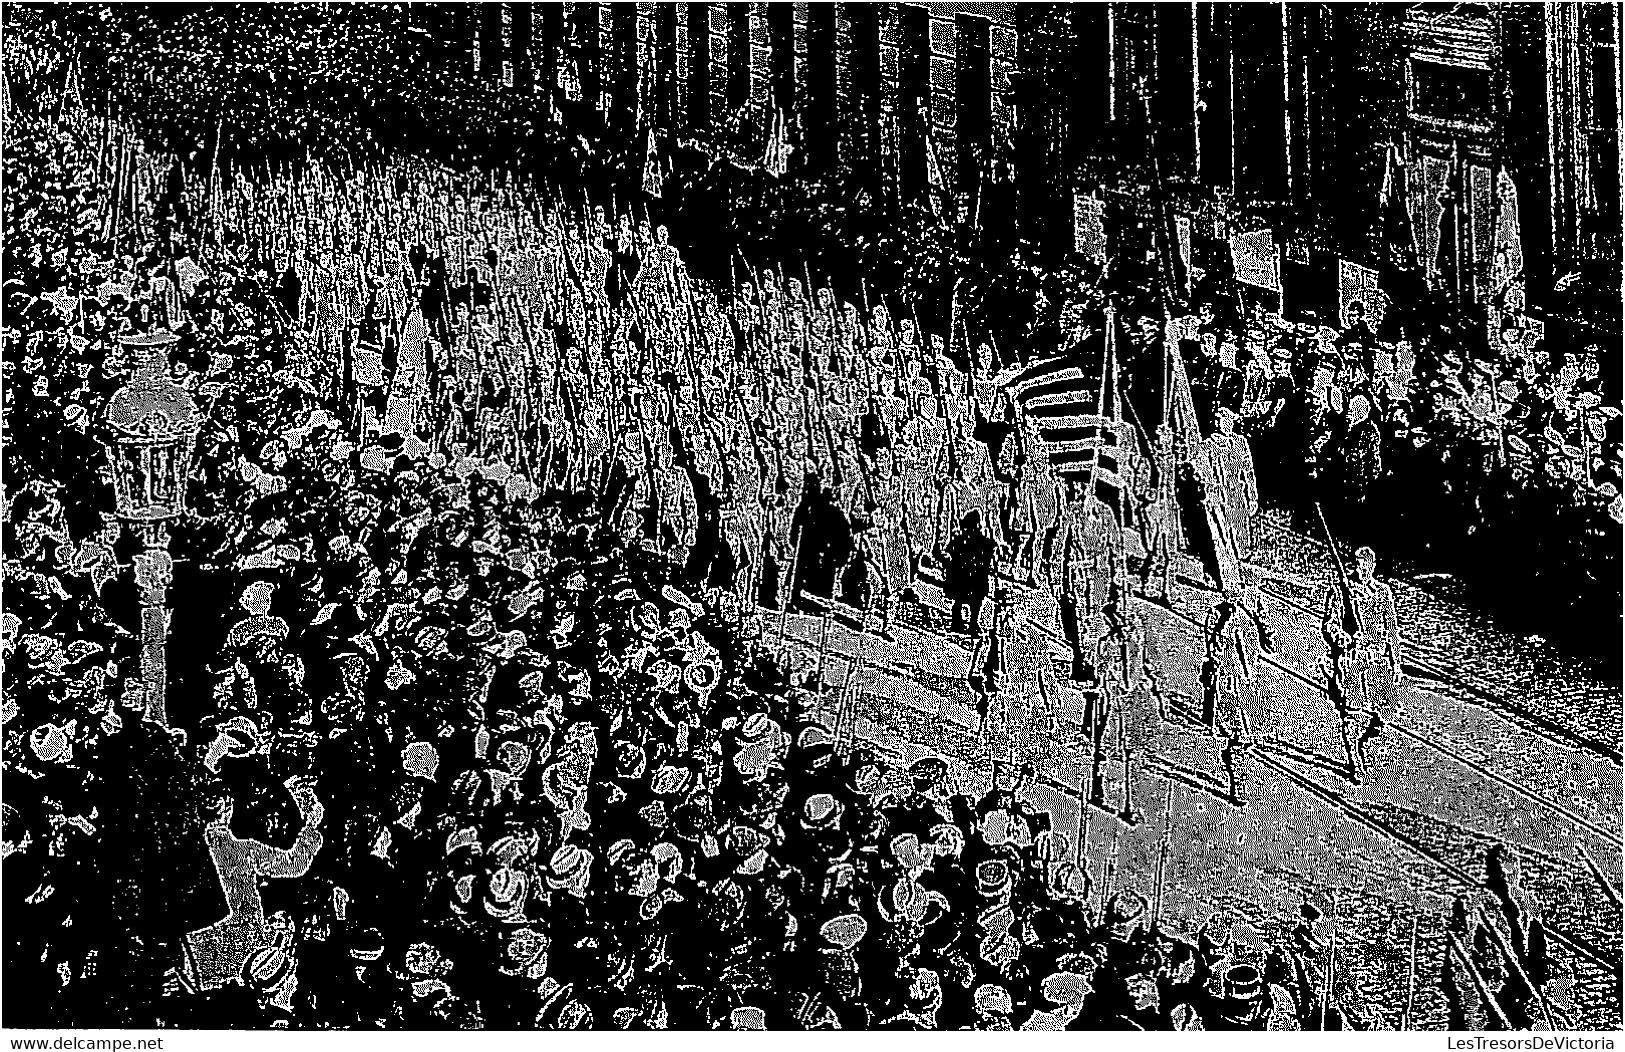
(1256,260)
(1089,226)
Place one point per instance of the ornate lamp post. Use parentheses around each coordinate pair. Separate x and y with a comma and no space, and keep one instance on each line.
(152,424)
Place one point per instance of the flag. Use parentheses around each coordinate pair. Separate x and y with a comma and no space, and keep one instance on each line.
(1399,272)
(1506,265)
(1065,401)
(777,158)
(1453,262)
(1083,444)
(1223,560)
(652,181)
(569,79)
(1255,259)
(933,169)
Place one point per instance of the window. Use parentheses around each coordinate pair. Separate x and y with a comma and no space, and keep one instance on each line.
(1457,94)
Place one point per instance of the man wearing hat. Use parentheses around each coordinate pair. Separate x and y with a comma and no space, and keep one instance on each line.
(1121,932)
(1235,482)
(1357,471)
(1247,1003)
(1214,385)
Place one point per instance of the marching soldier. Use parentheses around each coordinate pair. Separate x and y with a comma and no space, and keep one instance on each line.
(1364,656)
(1100,539)
(1237,634)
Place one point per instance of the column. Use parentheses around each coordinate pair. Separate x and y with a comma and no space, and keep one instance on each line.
(1260,103)
(738,16)
(698,81)
(589,51)
(665,57)
(781,33)
(973,108)
(623,79)
(913,97)
(153,575)
(549,46)
(820,86)
(1080,60)
(490,38)
(1214,67)
(863,111)
(1173,86)
(522,54)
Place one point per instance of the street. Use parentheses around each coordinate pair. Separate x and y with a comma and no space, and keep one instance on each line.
(1448,779)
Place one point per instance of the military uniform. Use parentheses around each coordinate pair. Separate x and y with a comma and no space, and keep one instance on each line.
(1362,666)
(1373,654)
(1235,642)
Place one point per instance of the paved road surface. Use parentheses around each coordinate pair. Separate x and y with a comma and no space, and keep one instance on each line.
(1395,847)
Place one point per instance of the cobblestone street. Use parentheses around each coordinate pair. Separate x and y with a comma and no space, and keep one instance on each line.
(1462,652)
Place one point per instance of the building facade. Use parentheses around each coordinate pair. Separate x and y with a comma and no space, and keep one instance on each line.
(1284,111)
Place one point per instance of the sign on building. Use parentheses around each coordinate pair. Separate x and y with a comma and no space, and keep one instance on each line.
(1256,259)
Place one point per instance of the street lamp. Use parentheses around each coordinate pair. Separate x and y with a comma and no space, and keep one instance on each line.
(152,424)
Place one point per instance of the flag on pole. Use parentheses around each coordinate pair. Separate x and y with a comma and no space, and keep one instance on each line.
(777,158)
(1453,262)
(933,169)
(1222,560)
(1506,265)
(652,181)
(1067,404)
(570,79)
(1182,235)
(1399,269)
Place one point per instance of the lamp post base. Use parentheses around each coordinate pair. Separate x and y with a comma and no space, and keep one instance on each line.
(153,573)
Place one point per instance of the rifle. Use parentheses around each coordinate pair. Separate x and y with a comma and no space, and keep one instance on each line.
(1331,966)
(1351,618)
(1516,965)
(1161,881)
(1111,871)
(1410,980)
(1492,1008)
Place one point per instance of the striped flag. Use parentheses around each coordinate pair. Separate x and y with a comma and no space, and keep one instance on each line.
(1073,407)
(1085,444)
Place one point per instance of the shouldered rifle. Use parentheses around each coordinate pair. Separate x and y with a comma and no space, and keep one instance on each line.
(1163,846)
(1351,616)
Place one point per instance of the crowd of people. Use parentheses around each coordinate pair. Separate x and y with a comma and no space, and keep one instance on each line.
(478,721)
